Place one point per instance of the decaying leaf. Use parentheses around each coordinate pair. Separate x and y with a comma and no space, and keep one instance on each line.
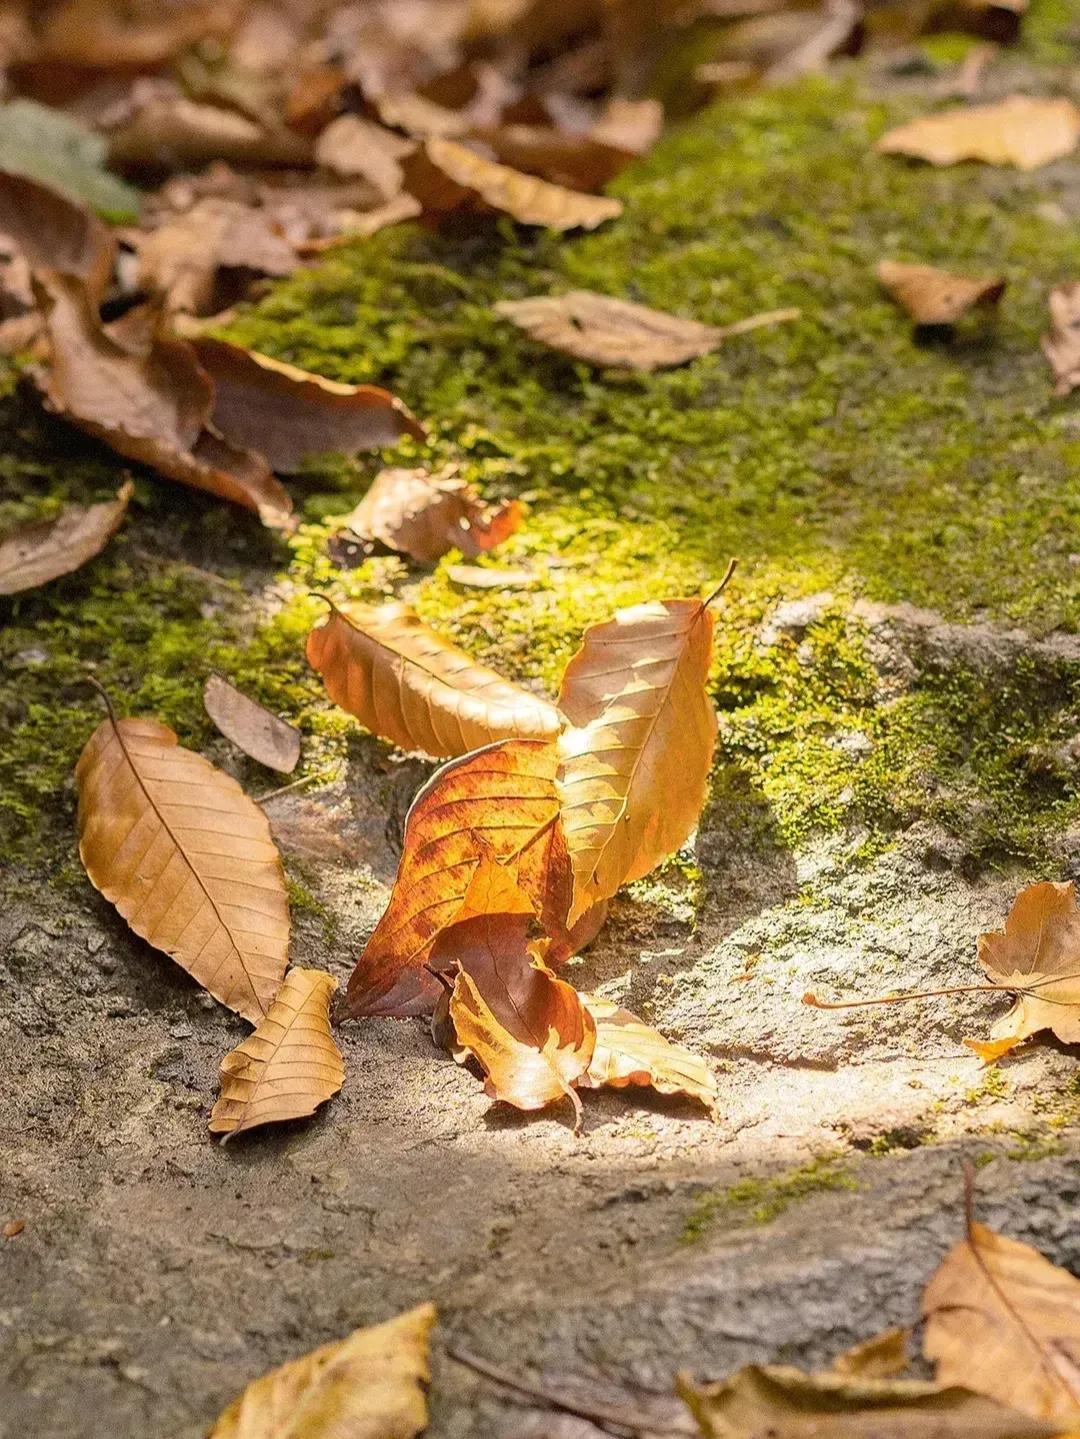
(634,763)
(631,1052)
(425,516)
(39,552)
(937,297)
(286,414)
(499,803)
(406,683)
(991,1050)
(187,859)
(611,332)
(54,233)
(289,1066)
(1038,952)
(882,1356)
(1061,345)
(351,145)
(1019,131)
(786,1403)
(261,735)
(1004,1321)
(368,1386)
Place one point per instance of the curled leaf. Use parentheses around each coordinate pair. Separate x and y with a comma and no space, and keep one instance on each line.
(577,160)
(187,859)
(882,1356)
(39,552)
(937,297)
(1019,130)
(1038,954)
(261,735)
(406,683)
(52,232)
(1061,345)
(425,516)
(289,1066)
(630,1052)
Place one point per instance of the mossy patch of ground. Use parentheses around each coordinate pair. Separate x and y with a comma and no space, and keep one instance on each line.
(760,1201)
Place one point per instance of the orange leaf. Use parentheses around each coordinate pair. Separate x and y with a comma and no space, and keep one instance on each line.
(990,1050)
(1038,954)
(425,516)
(1019,131)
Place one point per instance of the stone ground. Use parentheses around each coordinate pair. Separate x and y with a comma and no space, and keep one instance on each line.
(157,1273)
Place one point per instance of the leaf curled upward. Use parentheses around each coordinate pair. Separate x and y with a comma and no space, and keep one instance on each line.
(631,1052)
(187,859)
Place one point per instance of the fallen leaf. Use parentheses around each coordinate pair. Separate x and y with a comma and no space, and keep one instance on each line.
(406,110)
(187,859)
(785,1403)
(1061,345)
(499,802)
(42,551)
(106,35)
(363,224)
(55,150)
(161,126)
(610,332)
(453,173)
(54,233)
(151,407)
(261,735)
(288,414)
(289,1066)
(351,145)
(12,1228)
(937,297)
(1019,130)
(634,763)
(633,125)
(882,1356)
(406,683)
(991,1050)
(631,1052)
(425,516)
(1040,946)
(576,160)
(477,577)
(368,1386)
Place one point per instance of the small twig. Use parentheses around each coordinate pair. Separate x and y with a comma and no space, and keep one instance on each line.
(722,586)
(811,998)
(296,784)
(755,322)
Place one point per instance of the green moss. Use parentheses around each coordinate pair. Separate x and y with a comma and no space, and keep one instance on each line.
(1032,1147)
(760,1201)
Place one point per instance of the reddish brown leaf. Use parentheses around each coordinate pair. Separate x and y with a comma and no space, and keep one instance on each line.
(1061,345)
(425,516)
(578,161)
(938,297)
(40,552)
(260,734)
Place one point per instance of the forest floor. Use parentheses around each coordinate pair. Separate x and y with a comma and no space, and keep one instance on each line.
(898,679)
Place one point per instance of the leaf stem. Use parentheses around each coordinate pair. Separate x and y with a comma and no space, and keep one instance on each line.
(811,998)
(722,586)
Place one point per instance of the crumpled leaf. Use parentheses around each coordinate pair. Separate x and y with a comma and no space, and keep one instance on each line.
(1061,345)
(786,1403)
(425,516)
(453,175)
(289,1066)
(152,407)
(36,553)
(368,1386)
(611,332)
(1003,1320)
(499,803)
(634,763)
(406,683)
(54,233)
(351,145)
(1020,130)
(50,147)
(631,1052)
(288,414)
(938,297)
(261,735)
(1039,946)
(187,859)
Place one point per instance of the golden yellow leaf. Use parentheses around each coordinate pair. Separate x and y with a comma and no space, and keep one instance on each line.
(1020,130)
(289,1066)
(633,767)
(990,1050)
(1004,1321)
(1061,344)
(937,297)
(631,1052)
(187,859)
(882,1356)
(406,683)
(1038,953)
(39,552)
(368,1386)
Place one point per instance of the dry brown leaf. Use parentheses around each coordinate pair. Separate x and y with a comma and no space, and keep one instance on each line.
(187,859)
(368,1386)
(261,735)
(406,683)
(351,145)
(1038,952)
(611,332)
(576,160)
(882,1356)
(287,414)
(634,764)
(786,1403)
(1019,130)
(39,552)
(51,232)
(497,803)
(1003,1320)
(425,516)
(289,1066)
(106,35)
(151,407)
(938,297)
(453,173)
(1061,345)
(161,126)
(630,1052)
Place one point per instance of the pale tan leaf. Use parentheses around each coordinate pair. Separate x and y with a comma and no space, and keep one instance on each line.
(1038,954)
(425,516)
(938,297)
(1020,130)
(368,1386)
(39,552)
(634,765)
(187,859)
(351,145)
(882,1356)
(1004,1321)
(406,683)
(631,1052)
(261,735)
(183,260)
(1061,345)
(289,1066)
(486,577)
